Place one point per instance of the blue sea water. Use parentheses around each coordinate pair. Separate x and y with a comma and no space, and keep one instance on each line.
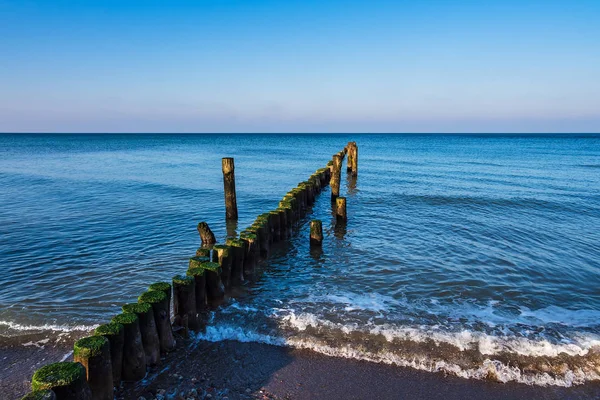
(472,254)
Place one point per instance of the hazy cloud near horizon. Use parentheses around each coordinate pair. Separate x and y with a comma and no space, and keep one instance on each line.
(206,66)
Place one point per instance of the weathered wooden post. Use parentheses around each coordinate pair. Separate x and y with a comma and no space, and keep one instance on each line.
(196,271)
(65,379)
(156,296)
(335,177)
(251,244)
(340,208)
(203,252)
(93,353)
(274,224)
(45,394)
(231,210)
(215,292)
(113,332)
(184,302)
(134,357)
(206,235)
(148,330)
(316,233)
(238,248)
(222,254)
(262,225)
(354,162)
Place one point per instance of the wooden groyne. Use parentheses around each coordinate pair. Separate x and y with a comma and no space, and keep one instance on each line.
(133,341)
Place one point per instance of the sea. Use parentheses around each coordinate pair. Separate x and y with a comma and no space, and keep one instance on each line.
(474,255)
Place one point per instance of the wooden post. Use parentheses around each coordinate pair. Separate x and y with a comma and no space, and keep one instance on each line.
(134,357)
(231,210)
(262,224)
(222,254)
(184,302)
(237,267)
(156,296)
(335,177)
(93,353)
(251,248)
(215,292)
(316,233)
(340,208)
(206,235)
(113,332)
(147,330)
(348,149)
(196,271)
(274,224)
(65,379)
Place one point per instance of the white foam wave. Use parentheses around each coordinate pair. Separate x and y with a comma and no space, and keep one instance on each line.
(489,368)
(47,327)
(463,340)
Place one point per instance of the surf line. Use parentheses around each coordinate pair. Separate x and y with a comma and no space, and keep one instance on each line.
(124,349)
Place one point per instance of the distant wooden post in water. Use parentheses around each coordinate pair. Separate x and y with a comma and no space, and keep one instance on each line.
(316,233)
(354,159)
(231,210)
(334,182)
(340,208)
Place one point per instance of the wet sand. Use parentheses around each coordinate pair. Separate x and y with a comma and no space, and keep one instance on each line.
(234,370)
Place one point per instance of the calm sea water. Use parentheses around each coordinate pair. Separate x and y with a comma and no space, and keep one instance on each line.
(475,255)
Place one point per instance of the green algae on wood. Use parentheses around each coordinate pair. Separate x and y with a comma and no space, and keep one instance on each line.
(197,261)
(125,319)
(152,296)
(65,379)
(223,254)
(89,346)
(112,328)
(136,308)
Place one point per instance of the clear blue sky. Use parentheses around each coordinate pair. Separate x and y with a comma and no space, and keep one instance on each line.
(299,66)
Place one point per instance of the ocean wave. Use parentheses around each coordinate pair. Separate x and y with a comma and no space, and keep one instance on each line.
(487,368)
(13,326)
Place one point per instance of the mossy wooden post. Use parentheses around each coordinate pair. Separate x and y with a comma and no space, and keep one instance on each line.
(262,224)
(206,236)
(316,233)
(231,210)
(340,208)
(113,332)
(156,296)
(204,252)
(350,153)
(222,254)
(237,267)
(283,230)
(215,292)
(184,301)
(45,394)
(134,357)
(334,182)
(148,330)
(197,272)
(251,244)
(65,379)
(274,223)
(93,353)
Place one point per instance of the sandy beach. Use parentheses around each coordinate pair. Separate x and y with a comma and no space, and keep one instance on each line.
(235,370)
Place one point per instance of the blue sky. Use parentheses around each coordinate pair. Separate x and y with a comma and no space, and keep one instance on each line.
(299,66)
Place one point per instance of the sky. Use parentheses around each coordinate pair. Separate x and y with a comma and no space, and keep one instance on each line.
(299,66)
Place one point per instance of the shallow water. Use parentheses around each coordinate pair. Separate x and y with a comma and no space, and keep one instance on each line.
(475,255)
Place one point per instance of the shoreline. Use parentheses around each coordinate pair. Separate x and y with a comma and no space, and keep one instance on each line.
(239,370)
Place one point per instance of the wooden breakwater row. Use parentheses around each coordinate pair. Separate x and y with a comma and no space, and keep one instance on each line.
(123,349)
